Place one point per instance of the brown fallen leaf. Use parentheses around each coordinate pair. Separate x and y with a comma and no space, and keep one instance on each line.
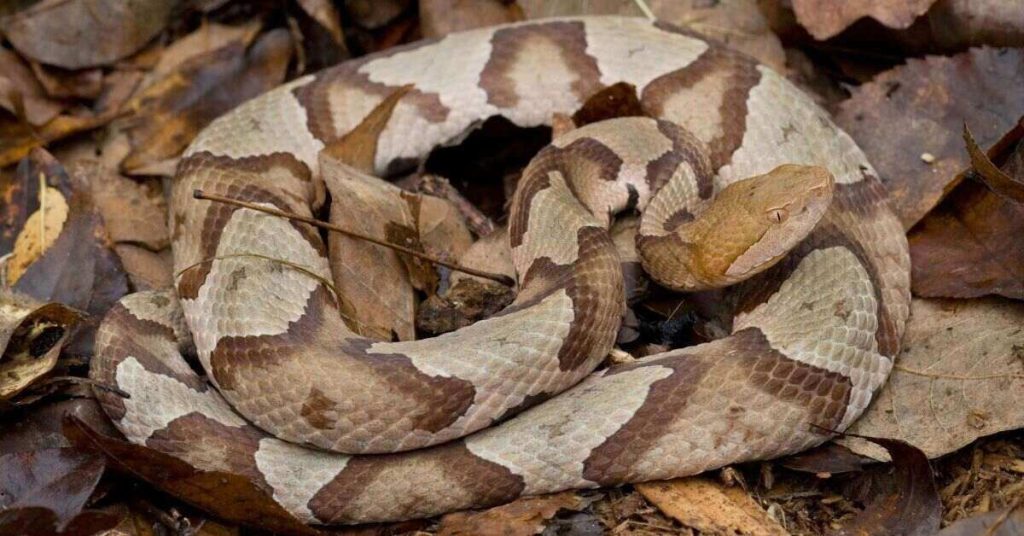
(1009,522)
(44,492)
(31,337)
(912,508)
(920,108)
(231,497)
(969,245)
(209,37)
(79,270)
(22,94)
(960,23)
(824,19)
(174,109)
(326,14)
(711,507)
(523,517)
(374,14)
(442,17)
(377,284)
(76,34)
(957,378)
(39,232)
(64,84)
(38,426)
(18,138)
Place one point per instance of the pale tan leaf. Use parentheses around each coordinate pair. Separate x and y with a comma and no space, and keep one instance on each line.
(711,507)
(958,378)
(523,517)
(825,18)
(31,336)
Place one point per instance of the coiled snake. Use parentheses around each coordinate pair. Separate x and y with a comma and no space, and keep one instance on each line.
(813,336)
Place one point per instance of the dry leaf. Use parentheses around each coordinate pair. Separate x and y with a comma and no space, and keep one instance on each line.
(957,378)
(231,497)
(39,426)
(442,17)
(174,109)
(31,337)
(711,507)
(970,245)
(44,493)
(824,19)
(326,14)
(22,94)
(18,138)
(920,108)
(61,83)
(912,507)
(76,34)
(39,233)
(373,14)
(523,517)
(208,37)
(1008,522)
(960,23)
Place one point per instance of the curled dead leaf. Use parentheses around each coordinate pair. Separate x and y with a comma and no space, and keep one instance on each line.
(93,32)
(825,19)
(31,336)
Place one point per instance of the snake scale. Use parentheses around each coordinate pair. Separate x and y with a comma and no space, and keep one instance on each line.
(342,429)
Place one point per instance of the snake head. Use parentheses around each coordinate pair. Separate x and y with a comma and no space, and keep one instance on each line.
(777,210)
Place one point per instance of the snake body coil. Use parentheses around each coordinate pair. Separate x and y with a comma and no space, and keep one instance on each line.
(813,335)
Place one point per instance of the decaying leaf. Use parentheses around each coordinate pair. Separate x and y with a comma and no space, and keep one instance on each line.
(31,336)
(17,138)
(523,517)
(20,195)
(377,284)
(39,232)
(38,426)
(912,508)
(442,17)
(919,109)
(76,34)
(373,14)
(64,84)
(228,496)
(970,244)
(824,19)
(174,109)
(960,23)
(44,492)
(79,270)
(209,37)
(326,14)
(1009,522)
(22,94)
(711,507)
(958,378)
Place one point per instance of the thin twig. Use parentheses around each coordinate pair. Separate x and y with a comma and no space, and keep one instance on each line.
(642,5)
(500,278)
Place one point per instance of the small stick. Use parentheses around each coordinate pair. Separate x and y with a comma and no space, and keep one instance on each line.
(500,278)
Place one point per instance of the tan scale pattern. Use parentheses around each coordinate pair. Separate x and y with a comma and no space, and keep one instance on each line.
(808,347)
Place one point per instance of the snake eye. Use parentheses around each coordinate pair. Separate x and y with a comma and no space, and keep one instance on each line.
(778,215)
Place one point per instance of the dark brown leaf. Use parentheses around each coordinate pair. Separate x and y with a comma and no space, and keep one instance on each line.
(174,109)
(970,245)
(326,14)
(616,100)
(916,112)
(830,458)
(22,94)
(39,426)
(913,508)
(442,17)
(961,23)
(64,84)
(76,34)
(44,491)
(1008,522)
(228,496)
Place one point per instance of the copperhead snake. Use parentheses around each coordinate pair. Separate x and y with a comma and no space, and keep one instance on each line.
(813,337)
